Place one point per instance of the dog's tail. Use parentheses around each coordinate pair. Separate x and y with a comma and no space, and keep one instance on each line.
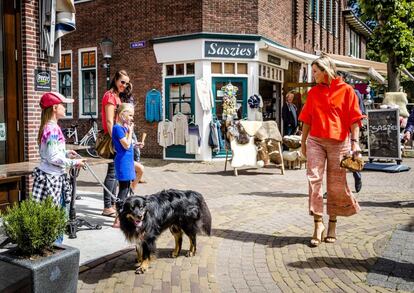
(205,217)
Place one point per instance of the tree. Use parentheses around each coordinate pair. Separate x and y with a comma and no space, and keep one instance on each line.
(392,40)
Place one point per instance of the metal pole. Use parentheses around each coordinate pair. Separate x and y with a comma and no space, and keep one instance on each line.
(108,74)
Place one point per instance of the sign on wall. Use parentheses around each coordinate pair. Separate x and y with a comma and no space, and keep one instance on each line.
(229,50)
(384,134)
(43,80)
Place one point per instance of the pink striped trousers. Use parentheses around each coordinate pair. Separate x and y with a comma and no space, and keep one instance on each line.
(321,152)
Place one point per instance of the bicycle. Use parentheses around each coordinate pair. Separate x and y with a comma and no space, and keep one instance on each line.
(88,140)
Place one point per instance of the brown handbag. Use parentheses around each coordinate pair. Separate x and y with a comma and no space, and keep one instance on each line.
(104,146)
(352,164)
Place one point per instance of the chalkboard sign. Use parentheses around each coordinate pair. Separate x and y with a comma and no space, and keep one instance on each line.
(384,134)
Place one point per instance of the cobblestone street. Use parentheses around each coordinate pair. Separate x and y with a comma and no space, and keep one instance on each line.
(261,231)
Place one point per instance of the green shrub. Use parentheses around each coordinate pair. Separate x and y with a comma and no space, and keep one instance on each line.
(34,226)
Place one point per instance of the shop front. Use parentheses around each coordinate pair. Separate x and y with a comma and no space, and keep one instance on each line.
(228,71)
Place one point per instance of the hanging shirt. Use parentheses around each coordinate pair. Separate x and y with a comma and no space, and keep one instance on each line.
(255,108)
(165,132)
(204,94)
(153,106)
(193,143)
(180,122)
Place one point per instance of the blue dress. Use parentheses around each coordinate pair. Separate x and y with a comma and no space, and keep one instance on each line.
(124,159)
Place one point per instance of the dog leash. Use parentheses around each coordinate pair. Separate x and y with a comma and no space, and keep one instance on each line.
(86,166)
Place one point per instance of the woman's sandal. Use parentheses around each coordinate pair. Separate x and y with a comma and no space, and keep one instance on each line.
(316,241)
(331,239)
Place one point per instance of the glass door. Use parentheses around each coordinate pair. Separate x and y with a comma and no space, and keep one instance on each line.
(239,85)
(179,98)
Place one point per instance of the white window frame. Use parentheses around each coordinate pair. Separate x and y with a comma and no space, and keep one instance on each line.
(354,44)
(175,69)
(71,77)
(80,51)
(236,64)
(337,19)
(324,11)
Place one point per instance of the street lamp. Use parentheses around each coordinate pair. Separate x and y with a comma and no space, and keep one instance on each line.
(106,47)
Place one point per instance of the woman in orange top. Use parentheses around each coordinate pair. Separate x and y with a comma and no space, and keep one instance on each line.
(331,112)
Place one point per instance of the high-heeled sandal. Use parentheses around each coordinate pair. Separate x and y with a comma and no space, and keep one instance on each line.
(315,241)
(331,239)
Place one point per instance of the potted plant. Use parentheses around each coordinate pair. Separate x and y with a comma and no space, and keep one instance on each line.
(35,263)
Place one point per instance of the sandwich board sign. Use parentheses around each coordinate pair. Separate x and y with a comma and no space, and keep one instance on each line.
(384,134)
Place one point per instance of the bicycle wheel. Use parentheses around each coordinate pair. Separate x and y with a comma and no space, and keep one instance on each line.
(90,141)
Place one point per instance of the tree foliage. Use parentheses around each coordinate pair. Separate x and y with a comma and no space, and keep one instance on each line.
(392,40)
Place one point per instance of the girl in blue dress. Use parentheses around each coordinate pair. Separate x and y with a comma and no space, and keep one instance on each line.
(124,157)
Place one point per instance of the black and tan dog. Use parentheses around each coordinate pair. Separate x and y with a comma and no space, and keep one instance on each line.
(143,219)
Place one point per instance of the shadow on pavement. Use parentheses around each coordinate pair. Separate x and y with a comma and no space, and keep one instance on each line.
(230,172)
(264,239)
(387,204)
(276,194)
(125,263)
(381,266)
(81,183)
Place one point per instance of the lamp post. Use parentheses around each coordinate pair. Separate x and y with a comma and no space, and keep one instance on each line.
(106,47)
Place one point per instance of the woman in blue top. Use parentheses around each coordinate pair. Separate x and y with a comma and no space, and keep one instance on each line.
(124,158)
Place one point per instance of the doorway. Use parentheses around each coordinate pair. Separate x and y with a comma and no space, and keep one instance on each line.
(218,85)
(272,101)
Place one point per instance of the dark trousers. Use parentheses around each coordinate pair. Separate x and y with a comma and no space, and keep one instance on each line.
(123,189)
(110,183)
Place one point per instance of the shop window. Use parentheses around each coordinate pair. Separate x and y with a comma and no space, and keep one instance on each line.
(180,99)
(179,69)
(229,68)
(88,97)
(216,68)
(270,73)
(190,68)
(65,79)
(241,68)
(170,69)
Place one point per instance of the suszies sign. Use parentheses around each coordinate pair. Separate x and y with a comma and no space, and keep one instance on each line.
(229,50)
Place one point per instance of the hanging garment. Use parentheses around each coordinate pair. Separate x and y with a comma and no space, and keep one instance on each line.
(185,108)
(193,143)
(165,133)
(204,94)
(255,109)
(213,139)
(229,101)
(153,107)
(180,122)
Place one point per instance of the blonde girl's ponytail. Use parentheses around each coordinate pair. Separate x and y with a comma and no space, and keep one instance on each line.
(46,116)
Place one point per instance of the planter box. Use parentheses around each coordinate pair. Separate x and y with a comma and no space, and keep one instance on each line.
(55,273)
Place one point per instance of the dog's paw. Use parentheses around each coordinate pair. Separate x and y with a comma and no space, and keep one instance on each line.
(190,253)
(174,254)
(140,270)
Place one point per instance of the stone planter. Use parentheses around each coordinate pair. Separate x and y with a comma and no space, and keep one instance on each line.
(55,273)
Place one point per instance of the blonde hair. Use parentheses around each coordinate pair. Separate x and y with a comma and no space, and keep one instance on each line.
(44,119)
(326,64)
(291,92)
(124,107)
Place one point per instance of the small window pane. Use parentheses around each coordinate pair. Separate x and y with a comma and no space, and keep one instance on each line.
(85,59)
(242,68)
(170,69)
(229,68)
(216,67)
(190,68)
(179,69)
(68,61)
(260,70)
(91,58)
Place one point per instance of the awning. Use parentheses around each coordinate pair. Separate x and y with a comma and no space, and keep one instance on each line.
(57,18)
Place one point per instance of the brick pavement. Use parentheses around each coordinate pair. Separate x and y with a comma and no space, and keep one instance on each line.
(261,231)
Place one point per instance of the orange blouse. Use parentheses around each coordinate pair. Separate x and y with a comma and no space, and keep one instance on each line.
(331,110)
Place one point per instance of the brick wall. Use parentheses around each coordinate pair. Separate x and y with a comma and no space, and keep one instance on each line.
(31,61)
(138,20)
(275,21)
(230,16)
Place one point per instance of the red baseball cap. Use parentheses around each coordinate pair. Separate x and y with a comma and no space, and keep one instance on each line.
(53,98)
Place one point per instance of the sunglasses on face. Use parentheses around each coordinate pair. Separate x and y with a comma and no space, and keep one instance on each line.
(123,82)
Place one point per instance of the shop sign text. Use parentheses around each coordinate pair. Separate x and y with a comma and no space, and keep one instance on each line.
(229,50)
